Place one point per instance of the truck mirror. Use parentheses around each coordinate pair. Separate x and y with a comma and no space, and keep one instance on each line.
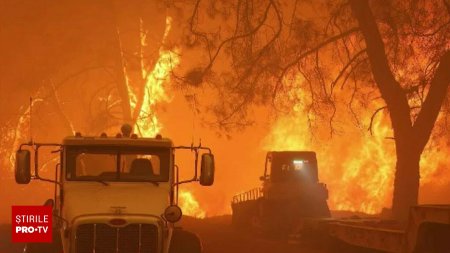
(22,170)
(207,170)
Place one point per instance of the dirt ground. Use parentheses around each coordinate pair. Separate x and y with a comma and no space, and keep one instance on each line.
(218,236)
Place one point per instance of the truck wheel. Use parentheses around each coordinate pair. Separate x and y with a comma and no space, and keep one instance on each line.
(185,242)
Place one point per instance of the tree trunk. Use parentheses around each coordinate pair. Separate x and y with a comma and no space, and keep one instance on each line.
(136,20)
(410,139)
(406,183)
(410,146)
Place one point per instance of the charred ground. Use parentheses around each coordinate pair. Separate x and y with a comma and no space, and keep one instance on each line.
(218,236)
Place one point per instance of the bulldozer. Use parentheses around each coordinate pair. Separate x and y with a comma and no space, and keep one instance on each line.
(290,193)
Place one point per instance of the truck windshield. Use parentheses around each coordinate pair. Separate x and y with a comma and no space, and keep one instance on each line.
(124,164)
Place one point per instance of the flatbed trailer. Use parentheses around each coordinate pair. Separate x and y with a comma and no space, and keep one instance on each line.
(427,230)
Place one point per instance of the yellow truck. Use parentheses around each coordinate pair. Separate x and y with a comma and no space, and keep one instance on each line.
(115,194)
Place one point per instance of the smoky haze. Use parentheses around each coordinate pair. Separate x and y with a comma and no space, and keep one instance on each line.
(88,67)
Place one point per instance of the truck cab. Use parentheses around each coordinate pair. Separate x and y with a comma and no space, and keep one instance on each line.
(288,172)
(292,177)
(116,194)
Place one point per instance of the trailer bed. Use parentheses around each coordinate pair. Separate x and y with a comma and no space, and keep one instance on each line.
(426,231)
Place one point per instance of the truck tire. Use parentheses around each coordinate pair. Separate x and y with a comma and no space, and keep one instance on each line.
(185,242)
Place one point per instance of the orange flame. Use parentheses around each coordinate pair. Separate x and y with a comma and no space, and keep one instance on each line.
(367,176)
(190,205)
(147,123)
(18,134)
(358,168)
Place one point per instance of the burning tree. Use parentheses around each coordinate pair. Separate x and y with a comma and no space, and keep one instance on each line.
(90,67)
(111,63)
(390,54)
(91,73)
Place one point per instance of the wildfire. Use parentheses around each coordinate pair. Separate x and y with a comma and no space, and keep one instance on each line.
(367,175)
(190,205)
(433,163)
(18,134)
(357,167)
(147,123)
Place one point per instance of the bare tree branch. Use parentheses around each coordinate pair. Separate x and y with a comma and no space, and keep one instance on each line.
(306,53)
(373,117)
(214,55)
(432,104)
(344,69)
(390,89)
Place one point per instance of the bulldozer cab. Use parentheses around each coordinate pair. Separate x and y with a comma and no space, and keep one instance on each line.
(291,166)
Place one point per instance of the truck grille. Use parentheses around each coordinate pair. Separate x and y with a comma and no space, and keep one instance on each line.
(102,238)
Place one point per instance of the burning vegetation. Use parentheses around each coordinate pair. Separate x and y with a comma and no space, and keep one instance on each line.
(362,83)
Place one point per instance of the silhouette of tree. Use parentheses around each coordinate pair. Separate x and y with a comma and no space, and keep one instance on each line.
(392,53)
(78,60)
